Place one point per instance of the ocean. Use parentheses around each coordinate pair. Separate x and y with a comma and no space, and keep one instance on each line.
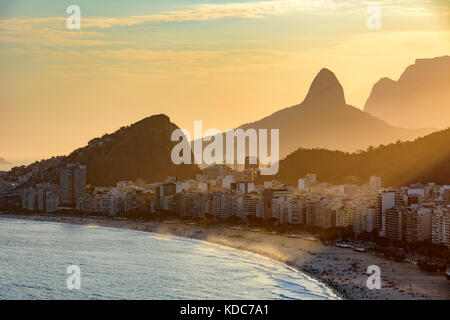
(125,264)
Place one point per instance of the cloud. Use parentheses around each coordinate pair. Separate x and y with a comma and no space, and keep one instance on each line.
(191,62)
(3,161)
(48,31)
(202,12)
(52,31)
(131,62)
(245,10)
(261,9)
(145,63)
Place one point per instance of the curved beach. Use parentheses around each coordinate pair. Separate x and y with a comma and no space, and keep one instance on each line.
(342,269)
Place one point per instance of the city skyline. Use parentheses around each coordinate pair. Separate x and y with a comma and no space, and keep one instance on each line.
(378,222)
(202,150)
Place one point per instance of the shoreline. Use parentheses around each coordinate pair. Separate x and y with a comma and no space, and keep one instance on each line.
(342,270)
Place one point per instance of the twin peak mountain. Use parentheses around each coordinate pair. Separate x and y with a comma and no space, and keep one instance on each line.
(325,120)
(322,120)
(325,90)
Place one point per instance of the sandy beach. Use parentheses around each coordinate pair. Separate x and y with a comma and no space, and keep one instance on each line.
(342,269)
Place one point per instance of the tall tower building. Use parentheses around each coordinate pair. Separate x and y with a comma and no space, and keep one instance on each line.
(72,182)
(66,186)
(375,183)
(386,200)
(79,182)
(395,227)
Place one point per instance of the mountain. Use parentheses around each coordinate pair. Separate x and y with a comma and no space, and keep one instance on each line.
(425,159)
(420,97)
(324,120)
(141,150)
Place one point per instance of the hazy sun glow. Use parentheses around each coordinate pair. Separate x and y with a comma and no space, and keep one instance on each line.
(225,63)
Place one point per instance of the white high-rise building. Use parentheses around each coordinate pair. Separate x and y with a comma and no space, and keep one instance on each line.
(51,201)
(424,220)
(374,183)
(440,232)
(301,184)
(72,184)
(365,219)
(29,199)
(386,201)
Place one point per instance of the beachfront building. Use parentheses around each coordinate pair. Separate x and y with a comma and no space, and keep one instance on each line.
(29,199)
(296,214)
(417,223)
(440,232)
(237,206)
(51,201)
(386,200)
(281,209)
(221,205)
(40,200)
(72,184)
(252,206)
(394,223)
(365,219)
(164,194)
(189,204)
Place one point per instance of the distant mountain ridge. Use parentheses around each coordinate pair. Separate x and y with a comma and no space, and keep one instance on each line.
(324,120)
(425,159)
(420,98)
(141,150)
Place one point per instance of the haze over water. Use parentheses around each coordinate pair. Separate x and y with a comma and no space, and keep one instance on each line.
(125,264)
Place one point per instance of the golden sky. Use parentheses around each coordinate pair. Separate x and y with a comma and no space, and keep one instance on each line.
(223,62)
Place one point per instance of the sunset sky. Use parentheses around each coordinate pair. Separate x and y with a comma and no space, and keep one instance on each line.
(223,62)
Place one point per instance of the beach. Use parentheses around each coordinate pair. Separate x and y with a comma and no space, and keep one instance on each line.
(342,269)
